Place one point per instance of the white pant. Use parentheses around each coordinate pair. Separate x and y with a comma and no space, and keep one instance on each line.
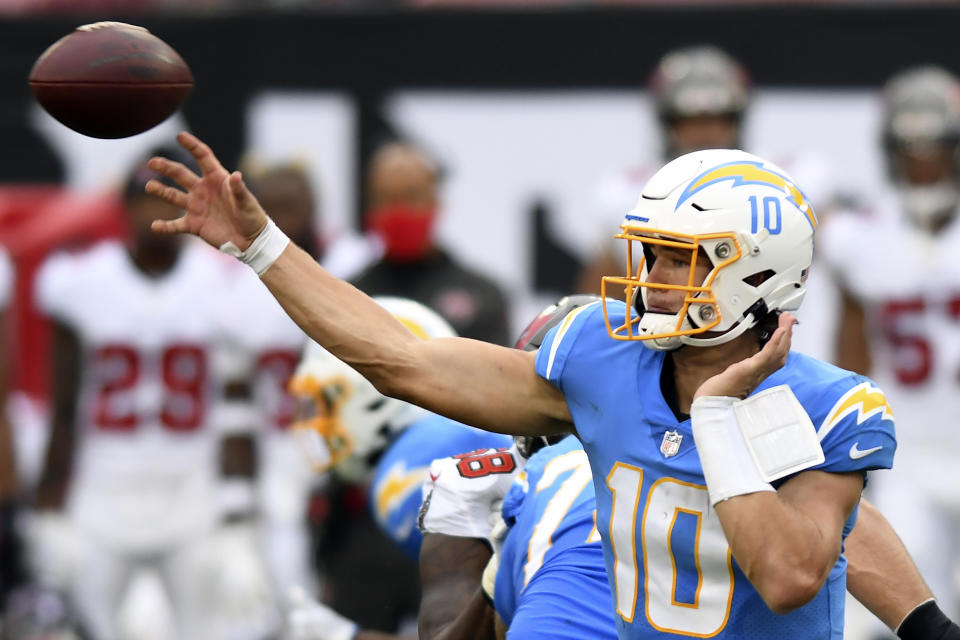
(103,577)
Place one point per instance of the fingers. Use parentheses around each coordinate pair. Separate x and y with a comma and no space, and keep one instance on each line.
(774,353)
(174,170)
(240,192)
(170,227)
(207,162)
(171,195)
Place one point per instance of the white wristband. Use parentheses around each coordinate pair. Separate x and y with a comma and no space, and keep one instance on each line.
(263,251)
(728,467)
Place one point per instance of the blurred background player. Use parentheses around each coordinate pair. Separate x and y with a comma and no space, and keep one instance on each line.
(132,470)
(385,445)
(701,95)
(899,272)
(403,208)
(271,344)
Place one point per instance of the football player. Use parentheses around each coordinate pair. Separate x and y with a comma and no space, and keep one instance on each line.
(725,240)
(134,465)
(900,313)
(270,345)
(376,441)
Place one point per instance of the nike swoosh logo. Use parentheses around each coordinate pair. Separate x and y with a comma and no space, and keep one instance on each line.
(856,454)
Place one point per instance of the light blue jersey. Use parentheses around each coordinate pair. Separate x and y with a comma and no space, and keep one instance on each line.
(395,492)
(552,582)
(669,564)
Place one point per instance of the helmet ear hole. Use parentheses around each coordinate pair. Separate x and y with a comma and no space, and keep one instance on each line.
(756,279)
(376,404)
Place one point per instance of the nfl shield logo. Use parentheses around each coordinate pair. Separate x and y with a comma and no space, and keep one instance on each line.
(671,443)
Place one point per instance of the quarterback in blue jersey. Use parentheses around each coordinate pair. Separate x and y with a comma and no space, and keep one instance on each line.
(727,470)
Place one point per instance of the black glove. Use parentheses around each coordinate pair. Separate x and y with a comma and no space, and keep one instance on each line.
(928,622)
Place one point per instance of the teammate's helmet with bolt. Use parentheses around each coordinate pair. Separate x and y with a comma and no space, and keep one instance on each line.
(344,422)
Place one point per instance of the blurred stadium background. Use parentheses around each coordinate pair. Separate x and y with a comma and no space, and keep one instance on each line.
(526,106)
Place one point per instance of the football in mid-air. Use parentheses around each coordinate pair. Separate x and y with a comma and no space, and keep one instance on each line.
(110,80)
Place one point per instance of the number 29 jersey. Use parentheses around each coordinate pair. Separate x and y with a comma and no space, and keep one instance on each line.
(670,568)
(145,466)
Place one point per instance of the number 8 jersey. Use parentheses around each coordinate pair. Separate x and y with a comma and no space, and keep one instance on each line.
(146,459)
(669,565)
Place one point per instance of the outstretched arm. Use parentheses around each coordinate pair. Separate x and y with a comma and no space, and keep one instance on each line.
(505,393)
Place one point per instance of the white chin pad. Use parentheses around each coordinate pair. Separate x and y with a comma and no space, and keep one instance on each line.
(778,433)
(657,323)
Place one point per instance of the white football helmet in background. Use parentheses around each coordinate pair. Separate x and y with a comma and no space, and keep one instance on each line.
(747,217)
(344,422)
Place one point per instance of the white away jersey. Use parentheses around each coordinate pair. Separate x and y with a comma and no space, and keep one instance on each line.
(271,343)
(908,282)
(146,462)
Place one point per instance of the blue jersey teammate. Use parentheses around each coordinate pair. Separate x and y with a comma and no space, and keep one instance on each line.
(722,507)
(396,502)
(551,582)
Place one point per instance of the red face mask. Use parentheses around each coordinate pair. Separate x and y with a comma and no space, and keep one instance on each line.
(406,231)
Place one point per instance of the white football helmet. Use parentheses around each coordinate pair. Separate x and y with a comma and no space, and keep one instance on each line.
(747,217)
(343,422)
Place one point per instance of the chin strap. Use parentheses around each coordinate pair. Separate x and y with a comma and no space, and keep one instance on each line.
(734,332)
(664,323)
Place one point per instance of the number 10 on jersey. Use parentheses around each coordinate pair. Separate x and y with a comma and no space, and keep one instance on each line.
(687,565)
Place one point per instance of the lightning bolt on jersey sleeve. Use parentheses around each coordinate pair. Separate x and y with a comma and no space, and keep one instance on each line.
(551,582)
(668,561)
(854,421)
(396,491)
(6,278)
